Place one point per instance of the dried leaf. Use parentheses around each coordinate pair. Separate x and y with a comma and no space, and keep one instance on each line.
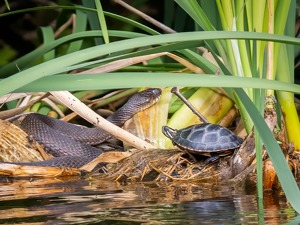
(108,157)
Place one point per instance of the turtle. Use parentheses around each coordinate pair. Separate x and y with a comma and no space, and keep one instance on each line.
(206,139)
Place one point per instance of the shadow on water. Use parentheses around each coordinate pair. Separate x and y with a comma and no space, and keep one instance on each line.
(75,200)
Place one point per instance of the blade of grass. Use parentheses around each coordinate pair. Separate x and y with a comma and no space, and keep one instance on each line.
(194,10)
(229,57)
(259,165)
(86,9)
(169,12)
(56,65)
(287,100)
(244,51)
(211,11)
(48,37)
(102,21)
(25,61)
(139,79)
(198,60)
(80,26)
(283,171)
(259,99)
(93,19)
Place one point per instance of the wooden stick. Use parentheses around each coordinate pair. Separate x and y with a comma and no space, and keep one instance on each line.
(145,17)
(194,110)
(85,112)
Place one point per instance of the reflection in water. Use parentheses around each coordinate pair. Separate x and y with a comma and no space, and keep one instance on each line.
(75,200)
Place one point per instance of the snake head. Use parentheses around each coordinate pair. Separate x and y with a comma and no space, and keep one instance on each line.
(144,99)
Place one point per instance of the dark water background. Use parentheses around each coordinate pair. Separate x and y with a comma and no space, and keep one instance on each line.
(75,200)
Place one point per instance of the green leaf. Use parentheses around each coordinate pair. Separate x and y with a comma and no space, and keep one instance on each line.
(80,26)
(283,171)
(102,21)
(56,65)
(24,62)
(48,37)
(129,80)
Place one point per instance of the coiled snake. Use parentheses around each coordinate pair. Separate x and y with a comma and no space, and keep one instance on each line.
(71,144)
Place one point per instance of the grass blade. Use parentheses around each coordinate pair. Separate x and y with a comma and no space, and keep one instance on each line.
(102,21)
(284,173)
(139,79)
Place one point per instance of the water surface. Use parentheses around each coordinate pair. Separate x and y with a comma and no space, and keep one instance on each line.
(75,200)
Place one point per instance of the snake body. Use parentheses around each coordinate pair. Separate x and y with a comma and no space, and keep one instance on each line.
(70,144)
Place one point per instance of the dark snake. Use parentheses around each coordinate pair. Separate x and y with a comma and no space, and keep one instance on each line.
(70,144)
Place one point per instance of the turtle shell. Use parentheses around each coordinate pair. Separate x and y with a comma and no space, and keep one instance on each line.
(204,138)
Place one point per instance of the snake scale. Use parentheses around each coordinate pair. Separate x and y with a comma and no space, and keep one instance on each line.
(70,144)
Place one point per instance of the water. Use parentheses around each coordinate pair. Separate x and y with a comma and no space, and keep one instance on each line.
(75,200)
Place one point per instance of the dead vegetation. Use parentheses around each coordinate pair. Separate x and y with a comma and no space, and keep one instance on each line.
(141,165)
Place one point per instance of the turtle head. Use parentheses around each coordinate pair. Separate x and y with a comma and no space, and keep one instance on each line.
(169,132)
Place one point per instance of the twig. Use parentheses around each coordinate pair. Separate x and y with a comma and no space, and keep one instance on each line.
(162,172)
(85,112)
(122,63)
(63,27)
(179,95)
(145,17)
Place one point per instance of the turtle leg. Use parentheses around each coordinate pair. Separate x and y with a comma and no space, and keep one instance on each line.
(214,157)
(192,158)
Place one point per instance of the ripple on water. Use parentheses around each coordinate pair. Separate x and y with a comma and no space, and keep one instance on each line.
(75,200)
